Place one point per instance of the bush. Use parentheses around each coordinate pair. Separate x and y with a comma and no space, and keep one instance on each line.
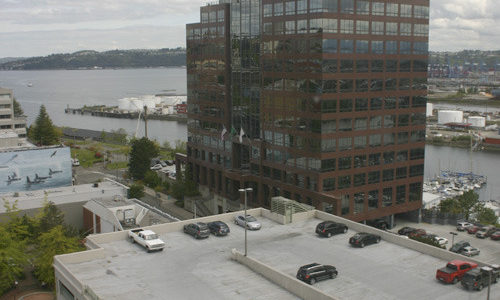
(136,191)
(428,241)
(151,179)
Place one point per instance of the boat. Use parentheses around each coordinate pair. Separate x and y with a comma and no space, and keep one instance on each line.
(30,84)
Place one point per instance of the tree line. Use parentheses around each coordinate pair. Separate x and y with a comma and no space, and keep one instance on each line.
(108,59)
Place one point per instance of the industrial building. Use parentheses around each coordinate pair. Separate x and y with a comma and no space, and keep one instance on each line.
(323,102)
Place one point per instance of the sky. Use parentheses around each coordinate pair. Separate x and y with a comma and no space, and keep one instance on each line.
(42,27)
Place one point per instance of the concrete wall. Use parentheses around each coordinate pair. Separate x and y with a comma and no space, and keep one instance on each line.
(289,283)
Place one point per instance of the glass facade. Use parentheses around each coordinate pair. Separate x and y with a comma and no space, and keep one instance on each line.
(322,99)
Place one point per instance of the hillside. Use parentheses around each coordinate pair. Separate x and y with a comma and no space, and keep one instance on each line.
(487,59)
(89,59)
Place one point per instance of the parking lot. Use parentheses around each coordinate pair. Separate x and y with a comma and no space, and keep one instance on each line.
(202,269)
(490,250)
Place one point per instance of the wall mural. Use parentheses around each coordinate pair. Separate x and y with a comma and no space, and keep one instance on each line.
(35,169)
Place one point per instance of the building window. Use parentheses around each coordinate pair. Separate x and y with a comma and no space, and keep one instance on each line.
(362,27)
(359,203)
(344,163)
(400,194)
(278,9)
(388,175)
(373,177)
(346,46)
(290,7)
(345,143)
(374,159)
(402,138)
(360,161)
(415,193)
(377,28)
(362,7)
(373,199)
(389,138)
(360,124)
(330,46)
(328,145)
(388,157)
(346,66)
(377,8)
(417,153)
(417,170)
(362,47)
(345,124)
(344,182)
(387,197)
(359,179)
(361,103)
(345,204)
(421,12)
(378,47)
(362,66)
(401,173)
(376,122)
(405,10)
(347,6)
(328,184)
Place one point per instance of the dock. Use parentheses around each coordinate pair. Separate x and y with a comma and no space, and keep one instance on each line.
(113,112)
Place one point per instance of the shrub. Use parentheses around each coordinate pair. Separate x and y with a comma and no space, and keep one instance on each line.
(136,191)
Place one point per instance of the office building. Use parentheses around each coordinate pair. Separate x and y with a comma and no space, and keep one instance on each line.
(12,128)
(320,101)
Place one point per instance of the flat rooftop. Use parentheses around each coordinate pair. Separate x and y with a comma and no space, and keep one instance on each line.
(203,269)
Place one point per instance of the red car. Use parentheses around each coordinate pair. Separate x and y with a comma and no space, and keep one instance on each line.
(473,229)
(495,236)
(454,271)
(417,233)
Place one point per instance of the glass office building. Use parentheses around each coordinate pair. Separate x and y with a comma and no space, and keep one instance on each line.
(319,101)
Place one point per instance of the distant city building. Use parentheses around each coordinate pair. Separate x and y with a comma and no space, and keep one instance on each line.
(322,102)
(12,128)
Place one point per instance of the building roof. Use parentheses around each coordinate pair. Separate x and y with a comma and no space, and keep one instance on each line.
(62,195)
(188,268)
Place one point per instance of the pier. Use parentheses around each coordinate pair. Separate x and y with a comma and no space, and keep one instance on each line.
(113,112)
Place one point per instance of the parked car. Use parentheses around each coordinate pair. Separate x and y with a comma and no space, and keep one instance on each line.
(406,230)
(218,228)
(478,278)
(146,238)
(75,162)
(457,247)
(495,236)
(441,240)
(417,233)
(252,223)
(462,226)
(198,230)
(473,229)
(313,273)
(329,228)
(454,271)
(363,238)
(485,232)
(469,251)
(156,167)
(378,223)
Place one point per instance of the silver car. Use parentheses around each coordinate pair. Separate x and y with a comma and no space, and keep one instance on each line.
(252,223)
(469,251)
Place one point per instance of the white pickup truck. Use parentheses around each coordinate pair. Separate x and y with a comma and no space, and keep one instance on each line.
(147,238)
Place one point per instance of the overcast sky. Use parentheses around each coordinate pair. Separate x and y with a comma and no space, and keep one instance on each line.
(42,27)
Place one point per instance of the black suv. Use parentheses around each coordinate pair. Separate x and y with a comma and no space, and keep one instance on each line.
(478,278)
(363,238)
(218,228)
(329,228)
(198,230)
(315,272)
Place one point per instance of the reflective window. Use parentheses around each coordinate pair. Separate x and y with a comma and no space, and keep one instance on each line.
(347,26)
(345,143)
(346,66)
(387,197)
(362,86)
(404,47)
(375,140)
(391,9)
(301,6)
(329,106)
(359,203)
(420,30)
(344,182)
(362,7)
(378,47)
(373,177)
(278,9)
(405,10)
(417,153)
(347,6)
(389,103)
(360,161)
(290,27)
(329,65)
(345,163)
(362,27)
(328,184)
(346,85)
(359,179)
(405,29)
(402,138)
(345,124)
(415,193)
(301,26)
(360,123)
(389,139)
(377,8)
(361,103)
(375,122)
(359,142)
(268,10)
(420,48)
(388,157)
(404,84)
(391,28)
(377,66)
(362,66)
(402,156)
(290,7)
(374,159)
(404,102)
(377,28)
(391,65)
(361,47)
(329,46)
(401,173)
(388,175)
(417,170)
(400,194)
(421,12)
(328,165)
(328,126)
(391,47)
(375,103)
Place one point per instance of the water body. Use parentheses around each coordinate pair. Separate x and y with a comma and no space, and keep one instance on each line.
(57,89)
(461,160)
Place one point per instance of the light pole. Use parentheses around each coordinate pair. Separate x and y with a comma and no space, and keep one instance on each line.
(453,237)
(245,215)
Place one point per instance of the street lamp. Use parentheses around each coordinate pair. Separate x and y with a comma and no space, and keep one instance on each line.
(453,237)
(245,215)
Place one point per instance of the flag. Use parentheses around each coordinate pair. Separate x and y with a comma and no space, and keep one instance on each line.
(242,133)
(224,131)
(233,131)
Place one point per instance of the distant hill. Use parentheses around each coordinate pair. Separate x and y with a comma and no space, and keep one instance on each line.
(89,59)
(9,59)
(489,59)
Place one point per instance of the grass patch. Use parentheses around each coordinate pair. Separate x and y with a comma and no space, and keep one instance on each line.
(86,157)
(117,165)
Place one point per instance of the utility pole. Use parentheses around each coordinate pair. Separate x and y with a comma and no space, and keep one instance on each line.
(145,121)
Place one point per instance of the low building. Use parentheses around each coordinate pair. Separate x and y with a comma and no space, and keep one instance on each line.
(12,128)
(69,199)
(118,213)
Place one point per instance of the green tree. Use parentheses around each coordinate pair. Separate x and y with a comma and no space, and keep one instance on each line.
(143,150)
(53,242)
(12,259)
(486,215)
(49,217)
(152,179)
(18,110)
(180,147)
(43,132)
(136,191)
(467,203)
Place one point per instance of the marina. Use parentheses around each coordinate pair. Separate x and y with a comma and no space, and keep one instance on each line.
(451,184)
